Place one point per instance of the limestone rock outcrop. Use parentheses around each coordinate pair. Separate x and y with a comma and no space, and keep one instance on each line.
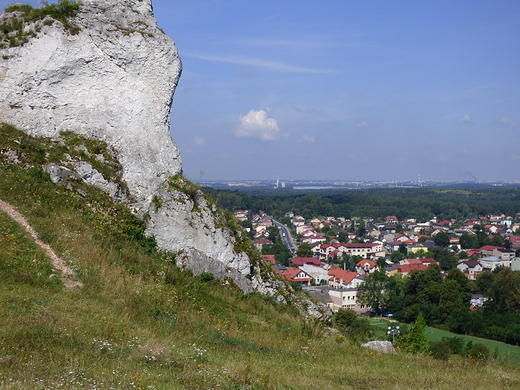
(112,77)
(114,80)
(380,346)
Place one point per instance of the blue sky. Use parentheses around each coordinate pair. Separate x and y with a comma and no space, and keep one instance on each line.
(347,90)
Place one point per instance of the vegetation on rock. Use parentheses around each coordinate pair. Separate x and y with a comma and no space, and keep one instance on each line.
(13,26)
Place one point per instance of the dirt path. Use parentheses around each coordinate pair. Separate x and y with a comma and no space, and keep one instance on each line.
(57,262)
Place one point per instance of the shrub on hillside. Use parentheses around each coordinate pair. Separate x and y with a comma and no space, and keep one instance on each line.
(479,352)
(440,350)
(456,344)
(360,330)
(416,341)
(206,277)
(343,318)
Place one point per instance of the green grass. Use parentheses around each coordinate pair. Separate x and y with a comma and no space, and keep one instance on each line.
(18,16)
(507,352)
(21,260)
(140,322)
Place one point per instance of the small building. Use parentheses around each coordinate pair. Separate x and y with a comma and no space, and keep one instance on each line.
(405,269)
(491,262)
(410,261)
(270,259)
(296,275)
(346,299)
(515,264)
(241,215)
(515,242)
(260,242)
(300,261)
(471,268)
(366,267)
(392,219)
(339,278)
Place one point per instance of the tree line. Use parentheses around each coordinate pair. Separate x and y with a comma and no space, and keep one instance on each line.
(419,203)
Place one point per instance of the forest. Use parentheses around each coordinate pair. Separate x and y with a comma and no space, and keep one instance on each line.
(419,203)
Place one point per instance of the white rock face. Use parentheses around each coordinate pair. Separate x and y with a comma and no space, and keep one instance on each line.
(380,346)
(105,82)
(114,81)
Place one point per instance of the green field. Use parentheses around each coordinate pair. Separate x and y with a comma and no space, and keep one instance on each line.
(507,352)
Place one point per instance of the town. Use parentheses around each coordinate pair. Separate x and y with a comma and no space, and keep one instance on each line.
(335,255)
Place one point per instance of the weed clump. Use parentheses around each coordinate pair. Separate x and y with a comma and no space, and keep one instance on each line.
(440,350)
(180,183)
(18,16)
(479,352)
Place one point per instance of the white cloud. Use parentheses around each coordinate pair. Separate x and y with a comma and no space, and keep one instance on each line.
(301,108)
(507,121)
(308,138)
(200,140)
(256,124)
(465,119)
(515,157)
(362,124)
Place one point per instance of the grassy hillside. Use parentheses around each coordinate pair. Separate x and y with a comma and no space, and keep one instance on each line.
(141,323)
(506,352)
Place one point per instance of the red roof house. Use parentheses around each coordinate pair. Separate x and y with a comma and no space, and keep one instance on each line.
(299,261)
(366,266)
(269,258)
(405,269)
(341,278)
(296,275)
(515,242)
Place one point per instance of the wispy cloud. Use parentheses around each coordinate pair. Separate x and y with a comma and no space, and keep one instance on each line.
(304,45)
(362,124)
(200,140)
(466,119)
(259,62)
(507,121)
(308,138)
(301,108)
(478,91)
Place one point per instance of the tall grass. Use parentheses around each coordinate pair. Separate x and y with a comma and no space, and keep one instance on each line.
(140,322)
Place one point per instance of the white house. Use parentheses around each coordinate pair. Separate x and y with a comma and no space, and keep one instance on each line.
(491,262)
(470,267)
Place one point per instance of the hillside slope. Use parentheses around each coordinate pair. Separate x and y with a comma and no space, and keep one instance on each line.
(139,321)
